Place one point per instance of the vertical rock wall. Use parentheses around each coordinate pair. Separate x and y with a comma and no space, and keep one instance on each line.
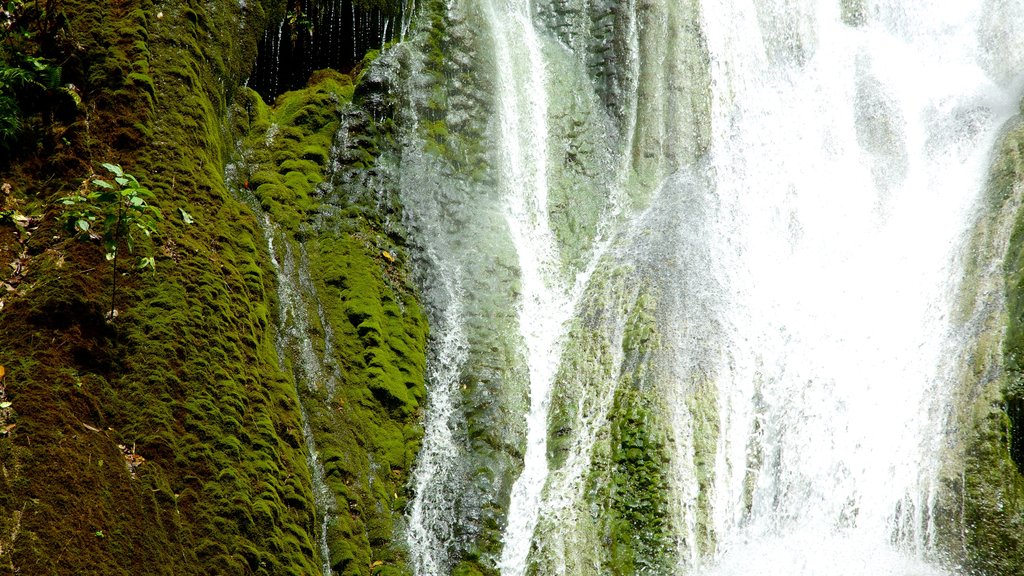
(169,439)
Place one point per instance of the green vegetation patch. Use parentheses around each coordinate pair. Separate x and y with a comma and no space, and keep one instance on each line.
(979,514)
(165,438)
(351,328)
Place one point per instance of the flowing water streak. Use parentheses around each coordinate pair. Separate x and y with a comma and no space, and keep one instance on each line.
(292,333)
(323,497)
(430,518)
(847,160)
(408,10)
(545,304)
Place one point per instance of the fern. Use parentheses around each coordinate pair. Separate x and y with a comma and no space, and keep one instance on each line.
(29,81)
(10,120)
(15,78)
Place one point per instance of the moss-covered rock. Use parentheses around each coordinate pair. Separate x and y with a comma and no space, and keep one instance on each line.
(164,440)
(169,439)
(979,515)
(349,324)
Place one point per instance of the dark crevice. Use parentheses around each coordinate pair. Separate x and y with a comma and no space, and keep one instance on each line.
(1015,410)
(318,34)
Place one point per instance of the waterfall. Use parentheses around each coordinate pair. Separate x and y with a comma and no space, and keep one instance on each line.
(544,306)
(732,228)
(848,160)
(430,519)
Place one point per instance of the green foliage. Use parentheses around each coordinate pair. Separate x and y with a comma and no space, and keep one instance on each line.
(195,384)
(25,75)
(112,212)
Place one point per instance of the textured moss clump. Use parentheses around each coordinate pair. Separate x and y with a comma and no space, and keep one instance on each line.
(993,486)
(368,434)
(616,511)
(637,526)
(166,440)
(351,329)
(1008,176)
(287,148)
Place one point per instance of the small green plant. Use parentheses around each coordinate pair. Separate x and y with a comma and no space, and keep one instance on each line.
(112,213)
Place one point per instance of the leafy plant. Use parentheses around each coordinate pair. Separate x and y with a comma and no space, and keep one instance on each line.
(112,213)
(26,76)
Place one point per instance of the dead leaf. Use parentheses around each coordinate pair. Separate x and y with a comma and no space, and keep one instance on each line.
(92,428)
(131,459)
(387,256)
(376,563)
(7,429)
(3,371)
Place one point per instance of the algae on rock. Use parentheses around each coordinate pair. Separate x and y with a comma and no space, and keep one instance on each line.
(349,324)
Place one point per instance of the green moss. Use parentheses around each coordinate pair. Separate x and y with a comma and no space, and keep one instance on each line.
(980,509)
(288,145)
(187,378)
(468,568)
(636,525)
(366,432)
(349,295)
(621,519)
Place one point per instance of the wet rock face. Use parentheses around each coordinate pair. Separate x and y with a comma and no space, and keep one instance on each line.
(979,510)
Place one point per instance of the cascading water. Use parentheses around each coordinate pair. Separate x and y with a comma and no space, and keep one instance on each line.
(755,341)
(544,305)
(848,160)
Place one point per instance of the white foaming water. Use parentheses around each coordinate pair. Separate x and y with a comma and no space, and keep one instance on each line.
(810,284)
(545,303)
(430,523)
(847,161)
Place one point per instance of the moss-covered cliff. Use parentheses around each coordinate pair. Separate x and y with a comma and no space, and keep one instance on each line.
(979,515)
(992,488)
(172,438)
(253,405)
